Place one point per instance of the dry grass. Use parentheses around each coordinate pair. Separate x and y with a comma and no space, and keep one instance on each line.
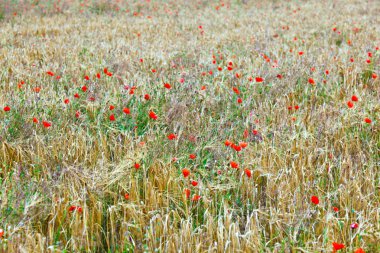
(324,148)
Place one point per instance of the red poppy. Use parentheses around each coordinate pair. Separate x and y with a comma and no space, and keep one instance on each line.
(315,200)
(311,81)
(66,101)
(187,193)
(367,120)
(7,108)
(374,76)
(194,183)
(153,115)
(112,117)
(126,196)
(248,173)
(76,95)
(243,144)
(192,156)
(35,120)
(146,97)
(279,76)
(196,198)
(336,209)
(296,107)
(87,78)
(84,88)
(112,107)
(337,246)
(98,75)
(75,208)
(227,143)
(354,225)
(236,90)
(239,100)
(359,250)
(234,165)
(1,232)
(137,166)
(186,172)
(126,110)
(77,114)
(259,79)
(172,136)
(46,124)
(105,70)
(350,104)
(167,86)
(50,73)
(354,98)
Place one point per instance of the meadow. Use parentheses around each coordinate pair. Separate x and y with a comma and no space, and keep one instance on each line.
(190,126)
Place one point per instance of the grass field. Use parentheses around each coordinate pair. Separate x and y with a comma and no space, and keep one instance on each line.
(190,126)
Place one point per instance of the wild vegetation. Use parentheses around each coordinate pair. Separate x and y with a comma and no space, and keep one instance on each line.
(189,126)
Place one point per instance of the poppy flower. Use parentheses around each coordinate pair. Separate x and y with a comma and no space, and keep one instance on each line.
(1,232)
(243,144)
(112,117)
(359,250)
(126,196)
(137,166)
(194,183)
(248,173)
(186,172)
(167,86)
(172,136)
(109,74)
(236,90)
(146,97)
(84,88)
(300,53)
(76,95)
(87,78)
(37,89)
(239,100)
(354,225)
(337,246)
(187,193)
(75,208)
(50,73)
(354,98)
(7,109)
(259,79)
(234,165)
(35,120)
(46,124)
(77,114)
(350,104)
(296,107)
(227,143)
(351,59)
(311,81)
(66,101)
(203,87)
(368,61)
(105,70)
(192,156)
(196,198)
(336,209)
(98,75)
(236,147)
(374,76)
(153,115)
(126,110)
(112,107)
(367,120)
(314,200)
(279,76)
(255,132)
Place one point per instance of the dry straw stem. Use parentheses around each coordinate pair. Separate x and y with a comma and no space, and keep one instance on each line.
(324,148)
